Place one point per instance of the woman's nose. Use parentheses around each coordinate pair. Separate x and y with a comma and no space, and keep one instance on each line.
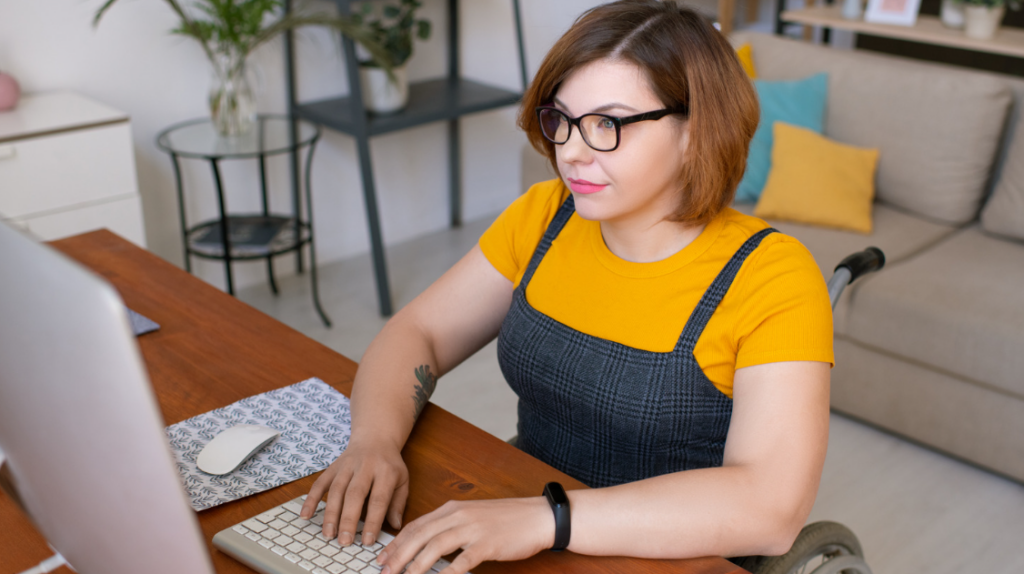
(575,149)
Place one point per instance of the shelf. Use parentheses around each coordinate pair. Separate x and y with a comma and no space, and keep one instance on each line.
(292,235)
(928,30)
(429,101)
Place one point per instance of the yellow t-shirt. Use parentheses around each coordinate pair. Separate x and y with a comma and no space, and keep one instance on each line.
(776,310)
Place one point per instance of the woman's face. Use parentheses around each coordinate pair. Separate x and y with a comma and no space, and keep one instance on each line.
(638,180)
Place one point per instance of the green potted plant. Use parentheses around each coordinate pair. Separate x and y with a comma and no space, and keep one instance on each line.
(385,85)
(982,17)
(229,31)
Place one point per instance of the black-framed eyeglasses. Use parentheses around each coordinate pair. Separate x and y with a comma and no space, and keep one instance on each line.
(601,132)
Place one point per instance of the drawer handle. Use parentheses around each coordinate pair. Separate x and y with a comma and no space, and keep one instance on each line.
(7,152)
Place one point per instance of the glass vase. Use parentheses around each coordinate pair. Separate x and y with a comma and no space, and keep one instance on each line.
(232,100)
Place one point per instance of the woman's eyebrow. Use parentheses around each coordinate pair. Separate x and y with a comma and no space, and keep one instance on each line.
(599,109)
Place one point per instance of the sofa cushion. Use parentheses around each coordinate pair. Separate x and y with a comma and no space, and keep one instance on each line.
(896,233)
(800,103)
(958,306)
(1004,211)
(937,127)
(818,181)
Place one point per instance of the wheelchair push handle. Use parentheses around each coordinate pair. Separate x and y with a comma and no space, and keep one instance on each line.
(861,263)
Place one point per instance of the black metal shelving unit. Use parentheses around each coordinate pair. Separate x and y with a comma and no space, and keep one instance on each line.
(442,99)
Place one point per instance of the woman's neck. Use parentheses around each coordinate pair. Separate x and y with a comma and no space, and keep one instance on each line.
(647,241)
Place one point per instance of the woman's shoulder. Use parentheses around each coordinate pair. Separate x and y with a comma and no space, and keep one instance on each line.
(512,238)
(738,227)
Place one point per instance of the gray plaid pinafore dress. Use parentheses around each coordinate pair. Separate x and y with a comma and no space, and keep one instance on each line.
(605,413)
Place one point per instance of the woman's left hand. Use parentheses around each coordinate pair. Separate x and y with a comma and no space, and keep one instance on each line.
(506,529)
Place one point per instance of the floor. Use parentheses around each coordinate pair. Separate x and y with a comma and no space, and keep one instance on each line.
(914,510)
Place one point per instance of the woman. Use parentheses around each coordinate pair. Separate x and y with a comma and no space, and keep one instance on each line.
(666,349)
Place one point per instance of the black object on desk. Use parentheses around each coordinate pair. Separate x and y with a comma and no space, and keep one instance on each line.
(442,99)
(237,237)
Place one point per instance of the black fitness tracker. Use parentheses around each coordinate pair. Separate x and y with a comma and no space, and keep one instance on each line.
(560,506)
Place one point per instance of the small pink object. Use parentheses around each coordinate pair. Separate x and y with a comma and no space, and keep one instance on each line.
(9,92)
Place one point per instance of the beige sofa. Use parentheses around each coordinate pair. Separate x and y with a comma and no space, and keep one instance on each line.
(932,347)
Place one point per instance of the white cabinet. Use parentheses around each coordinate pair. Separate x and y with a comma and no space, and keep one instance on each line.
(67,166)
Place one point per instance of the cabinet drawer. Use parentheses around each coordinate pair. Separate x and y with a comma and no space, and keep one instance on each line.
(122,216)
(62,170)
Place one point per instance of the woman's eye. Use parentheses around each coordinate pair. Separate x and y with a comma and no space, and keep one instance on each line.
(606,124)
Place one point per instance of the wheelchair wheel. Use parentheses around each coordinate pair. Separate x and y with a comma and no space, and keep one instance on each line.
(821,548)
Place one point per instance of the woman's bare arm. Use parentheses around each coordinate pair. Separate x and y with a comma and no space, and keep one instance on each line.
(456,316)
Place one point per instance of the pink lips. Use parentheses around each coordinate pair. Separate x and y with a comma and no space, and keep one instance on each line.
(584,186)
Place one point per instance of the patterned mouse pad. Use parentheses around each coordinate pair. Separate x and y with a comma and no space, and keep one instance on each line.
(315,424)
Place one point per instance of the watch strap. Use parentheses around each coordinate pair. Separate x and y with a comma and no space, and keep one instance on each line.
(559,502)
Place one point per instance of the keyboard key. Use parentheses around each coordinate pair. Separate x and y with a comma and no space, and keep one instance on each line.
(343,558)
(440,565)
(254,525)
(317,519)
(283,540)
(314,529)
(274,511)
(290,531)
(315,544)
(366,556)
(287,516)
(292,557)
(352,549)
(322,561)
(265,543)
(309,554)
(296,547)
(371,569)
(329,550)
(239,529)
(356,564)
(377,546)
(320,571)
(279,551)
(294,507)
(303,537)
(307,565)
(336,568)
(278,524)
(270,533)
(334,542)
(265,517)
(253,536)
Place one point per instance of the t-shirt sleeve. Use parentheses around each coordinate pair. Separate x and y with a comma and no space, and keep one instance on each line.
(510,241)
(786,314)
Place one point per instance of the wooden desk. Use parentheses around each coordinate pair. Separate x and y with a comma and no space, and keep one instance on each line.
(212,350)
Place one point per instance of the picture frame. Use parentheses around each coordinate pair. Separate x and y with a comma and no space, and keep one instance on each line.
(896,12)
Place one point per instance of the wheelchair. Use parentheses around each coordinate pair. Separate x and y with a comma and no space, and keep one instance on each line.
(821,547)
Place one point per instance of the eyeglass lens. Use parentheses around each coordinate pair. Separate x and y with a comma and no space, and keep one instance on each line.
(598,131)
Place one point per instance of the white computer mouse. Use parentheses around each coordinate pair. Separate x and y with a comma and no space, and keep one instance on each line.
(228,450)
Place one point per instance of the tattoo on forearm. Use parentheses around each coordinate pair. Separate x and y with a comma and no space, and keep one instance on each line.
(423,390)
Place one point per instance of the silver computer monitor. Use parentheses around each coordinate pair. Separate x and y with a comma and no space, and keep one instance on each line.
(79,425)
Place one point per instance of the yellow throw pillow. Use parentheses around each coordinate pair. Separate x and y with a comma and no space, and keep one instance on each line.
(818,181)
(746,56)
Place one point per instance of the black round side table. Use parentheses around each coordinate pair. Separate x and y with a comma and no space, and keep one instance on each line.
(242,237)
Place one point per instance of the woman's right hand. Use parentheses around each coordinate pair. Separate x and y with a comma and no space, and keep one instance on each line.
(366,468)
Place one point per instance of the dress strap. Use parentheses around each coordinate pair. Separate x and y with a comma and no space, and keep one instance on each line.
(719,287)
(554,228)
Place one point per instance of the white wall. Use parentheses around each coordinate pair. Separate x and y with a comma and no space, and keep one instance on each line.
(132,63)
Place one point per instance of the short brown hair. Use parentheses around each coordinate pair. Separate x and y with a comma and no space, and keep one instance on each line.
(689,64)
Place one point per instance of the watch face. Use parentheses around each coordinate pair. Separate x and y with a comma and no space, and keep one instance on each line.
(556,494)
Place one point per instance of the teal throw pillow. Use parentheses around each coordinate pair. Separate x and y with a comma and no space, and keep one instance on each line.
(800,103)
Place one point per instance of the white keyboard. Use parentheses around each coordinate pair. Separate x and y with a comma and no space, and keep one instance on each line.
(278,541)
